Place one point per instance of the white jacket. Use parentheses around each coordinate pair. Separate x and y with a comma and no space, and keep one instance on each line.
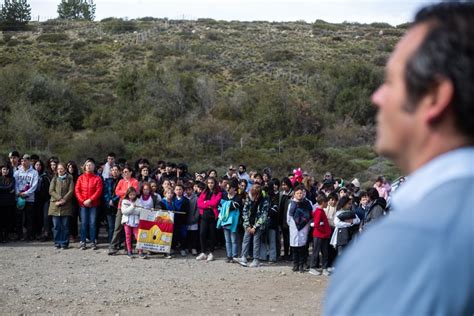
(130,213)
(298,238)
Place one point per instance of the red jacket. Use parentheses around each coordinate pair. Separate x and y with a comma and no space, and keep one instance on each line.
(89,187)
(213,202)
(321,224)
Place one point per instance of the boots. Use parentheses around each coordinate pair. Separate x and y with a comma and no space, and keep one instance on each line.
(301,268)
(295,267)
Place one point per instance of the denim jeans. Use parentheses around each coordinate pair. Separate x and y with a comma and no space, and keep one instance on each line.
(110,226)
(272,244)
(231,245)
(61,230)
(88,221)
(256,243)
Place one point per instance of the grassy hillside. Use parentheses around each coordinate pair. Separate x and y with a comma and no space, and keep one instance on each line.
(206,92)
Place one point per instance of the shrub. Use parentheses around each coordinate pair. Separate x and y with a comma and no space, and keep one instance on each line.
(278,55)
(213,36)
(87,57)
(381,25)
(78,45)
(52,37)
(118,26)
(148,19)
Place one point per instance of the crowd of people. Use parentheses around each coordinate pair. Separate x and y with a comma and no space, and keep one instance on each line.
(252,214)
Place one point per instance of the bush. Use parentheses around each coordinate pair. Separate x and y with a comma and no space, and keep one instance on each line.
(118,26)
(13,42)
(278,55)
(95,145)
(88,57)
(381,25)
(78,45)
(52,37)
(148,19)
(213,36)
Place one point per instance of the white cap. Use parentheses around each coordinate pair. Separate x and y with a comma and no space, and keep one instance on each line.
(356,183)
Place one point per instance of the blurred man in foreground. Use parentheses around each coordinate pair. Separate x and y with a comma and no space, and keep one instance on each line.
(420,259)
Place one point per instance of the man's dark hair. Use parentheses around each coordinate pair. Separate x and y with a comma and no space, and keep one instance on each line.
(334,196)
(447,52)
(287,181)
(111,154)
(342,202)
(373,194)
(234,183)
(200,185)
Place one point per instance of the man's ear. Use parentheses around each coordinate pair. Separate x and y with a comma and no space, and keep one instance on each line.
(439,99)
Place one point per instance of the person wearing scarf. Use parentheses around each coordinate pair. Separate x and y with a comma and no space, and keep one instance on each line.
(299,218)
(61,190)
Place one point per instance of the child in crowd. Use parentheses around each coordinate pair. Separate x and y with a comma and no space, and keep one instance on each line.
(168,204)
(299,217)
(321,235)
(255,216)
(228,219)
(344,222)
(130,219)
(181,205)
(192,220)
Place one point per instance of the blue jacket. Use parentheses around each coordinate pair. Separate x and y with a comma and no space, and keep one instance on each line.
(228,215)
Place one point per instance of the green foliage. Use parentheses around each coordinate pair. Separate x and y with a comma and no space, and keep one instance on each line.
(76,10)
(404,26)
(54,103)
(88,56)
(208,98)
(323,27)
(94,145)
(52,37)
(213,36)
(118,26)
(278,55)
(127,85)
(380,25)
(15,15)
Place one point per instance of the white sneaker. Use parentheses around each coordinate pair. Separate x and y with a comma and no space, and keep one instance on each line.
(202,256)
(314,272)
(194,252)
(210,257)
(183,253)
(331,269)
(255,264)
(326,272)
(242,261)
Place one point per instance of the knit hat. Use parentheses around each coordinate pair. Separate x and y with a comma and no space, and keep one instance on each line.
(356,183)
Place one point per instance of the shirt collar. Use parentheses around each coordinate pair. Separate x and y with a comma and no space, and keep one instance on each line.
(448,166)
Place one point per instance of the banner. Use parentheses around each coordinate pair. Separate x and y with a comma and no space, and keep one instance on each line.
(155,231)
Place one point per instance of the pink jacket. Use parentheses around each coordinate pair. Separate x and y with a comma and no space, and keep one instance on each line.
(212,203)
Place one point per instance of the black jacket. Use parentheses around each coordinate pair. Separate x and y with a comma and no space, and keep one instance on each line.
(7,191)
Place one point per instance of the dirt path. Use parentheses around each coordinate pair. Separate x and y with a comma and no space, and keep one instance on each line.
(37,278)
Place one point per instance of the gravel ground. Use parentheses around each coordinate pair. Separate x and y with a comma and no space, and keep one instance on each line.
(37,278)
